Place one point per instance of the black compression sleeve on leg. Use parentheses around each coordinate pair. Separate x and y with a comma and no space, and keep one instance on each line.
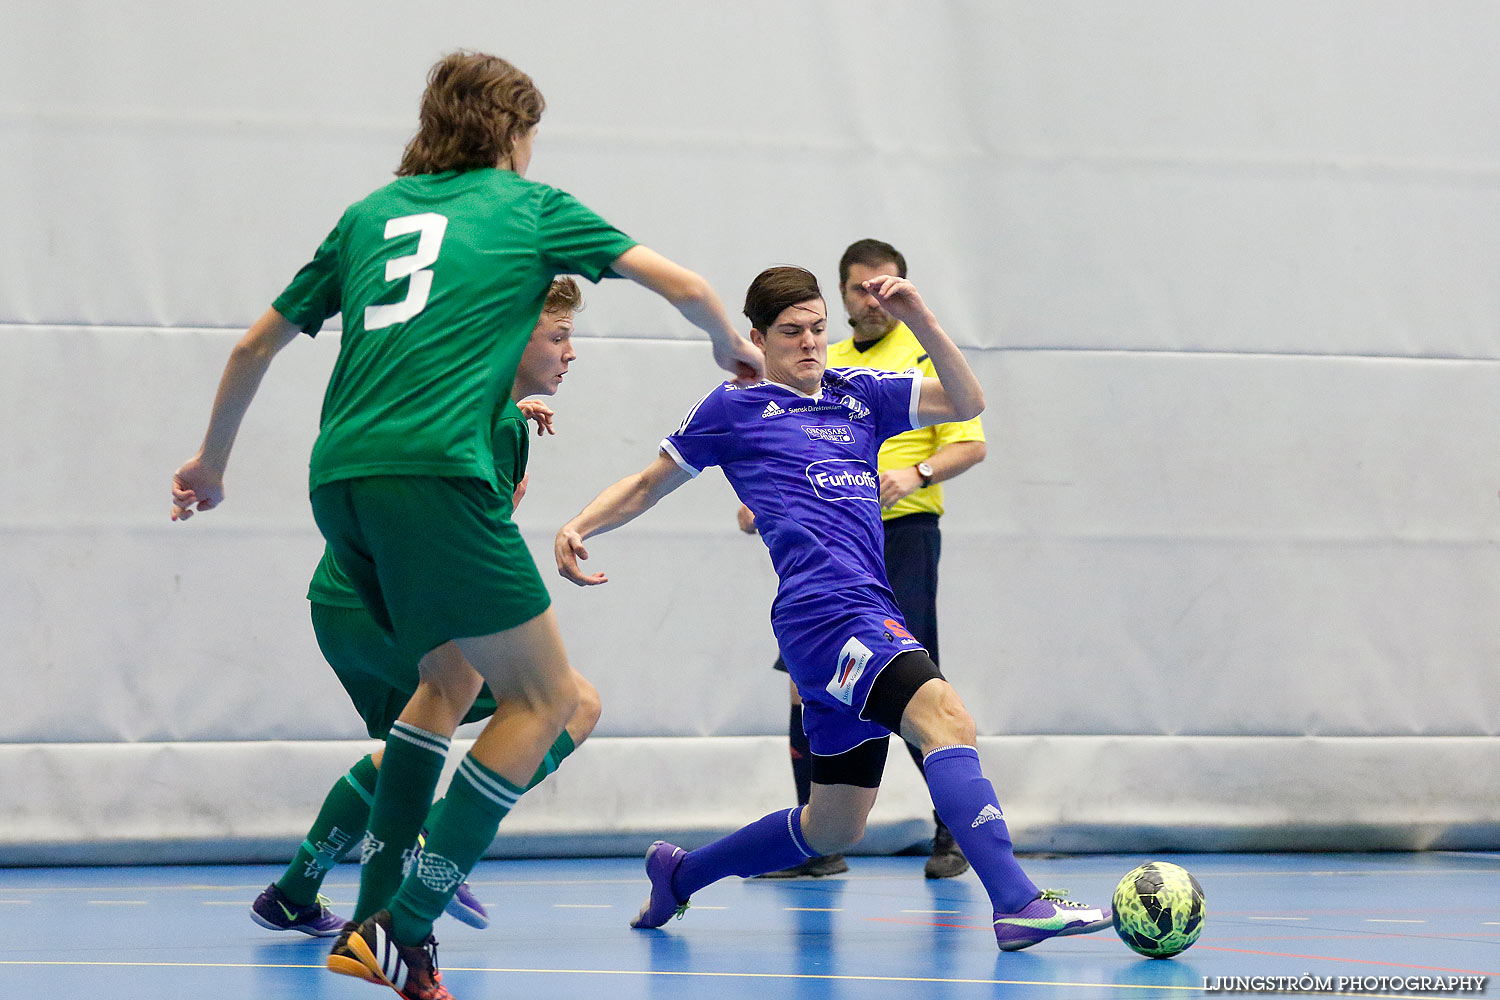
(895,687)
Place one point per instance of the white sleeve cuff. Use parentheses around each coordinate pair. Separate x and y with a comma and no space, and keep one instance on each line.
(676,456)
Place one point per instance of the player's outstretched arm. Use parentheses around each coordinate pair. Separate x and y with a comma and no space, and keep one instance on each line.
(696,299)
(956,393)
(618,504)
(199,483)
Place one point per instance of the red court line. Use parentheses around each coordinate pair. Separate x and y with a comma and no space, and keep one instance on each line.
(1356,961)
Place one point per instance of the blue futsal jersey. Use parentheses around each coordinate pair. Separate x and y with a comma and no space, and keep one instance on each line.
(805,465)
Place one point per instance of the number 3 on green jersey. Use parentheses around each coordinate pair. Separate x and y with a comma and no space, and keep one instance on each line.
(414,265)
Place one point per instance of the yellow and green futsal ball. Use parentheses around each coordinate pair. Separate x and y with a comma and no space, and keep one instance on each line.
(1159,909)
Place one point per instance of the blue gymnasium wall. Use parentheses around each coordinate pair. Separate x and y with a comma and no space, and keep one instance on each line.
(1227,579)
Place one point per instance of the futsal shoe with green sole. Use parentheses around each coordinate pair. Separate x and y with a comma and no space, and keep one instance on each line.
(1051,914)
(273,911)
(662,861)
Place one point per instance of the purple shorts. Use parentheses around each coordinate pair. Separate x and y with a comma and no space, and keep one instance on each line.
(834,658)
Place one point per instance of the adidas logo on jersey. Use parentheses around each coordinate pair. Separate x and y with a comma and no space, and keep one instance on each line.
(986,815)
(771,410)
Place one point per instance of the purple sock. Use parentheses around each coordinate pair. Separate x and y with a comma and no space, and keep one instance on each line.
(966,801)
(769,844)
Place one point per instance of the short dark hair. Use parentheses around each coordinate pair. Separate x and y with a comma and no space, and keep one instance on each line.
(776,289)
(474,109)
(564,296)
(870,253)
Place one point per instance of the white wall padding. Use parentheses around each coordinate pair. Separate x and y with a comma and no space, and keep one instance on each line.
(1167,553)
(1227,578)
(168,802)
(251,801)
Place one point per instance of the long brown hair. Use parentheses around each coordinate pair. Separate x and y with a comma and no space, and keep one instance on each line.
(473,110)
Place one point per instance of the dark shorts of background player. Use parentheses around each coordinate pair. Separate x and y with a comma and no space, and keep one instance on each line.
(892,691)
(913,545)
(433,558)
(379,678)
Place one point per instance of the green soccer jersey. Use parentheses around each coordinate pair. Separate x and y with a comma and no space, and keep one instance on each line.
(440,278)
(512,449)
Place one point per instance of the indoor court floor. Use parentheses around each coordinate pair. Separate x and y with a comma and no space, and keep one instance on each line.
(881,931)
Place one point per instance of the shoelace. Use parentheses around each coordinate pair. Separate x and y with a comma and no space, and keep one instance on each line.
(1060,897)
(681,910)
(322,902)
(437,989)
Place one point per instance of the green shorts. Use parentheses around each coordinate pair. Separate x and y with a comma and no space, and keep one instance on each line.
(379,678)
(433,558)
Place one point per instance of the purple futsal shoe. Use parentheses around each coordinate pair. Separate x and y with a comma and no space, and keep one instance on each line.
(1049,915)
(662,861)
(466,908)
(273,911)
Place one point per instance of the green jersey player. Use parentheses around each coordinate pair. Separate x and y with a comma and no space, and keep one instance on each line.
(380,678)
(440,277)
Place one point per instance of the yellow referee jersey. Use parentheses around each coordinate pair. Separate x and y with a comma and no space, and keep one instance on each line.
(899,351)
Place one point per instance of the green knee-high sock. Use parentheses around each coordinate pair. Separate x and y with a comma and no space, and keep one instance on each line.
(339,826)
(477,800)
(555,755)
(403,794)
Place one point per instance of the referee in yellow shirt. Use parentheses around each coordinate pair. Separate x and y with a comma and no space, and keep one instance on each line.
(912,465)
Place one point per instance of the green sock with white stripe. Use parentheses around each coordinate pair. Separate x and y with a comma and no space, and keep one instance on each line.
(339,827)
(477,800)
(555,756)
(409,775)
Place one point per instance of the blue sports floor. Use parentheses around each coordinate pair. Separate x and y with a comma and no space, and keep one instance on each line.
(881,931)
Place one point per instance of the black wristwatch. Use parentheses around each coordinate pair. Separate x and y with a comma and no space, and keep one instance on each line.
(925,471)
